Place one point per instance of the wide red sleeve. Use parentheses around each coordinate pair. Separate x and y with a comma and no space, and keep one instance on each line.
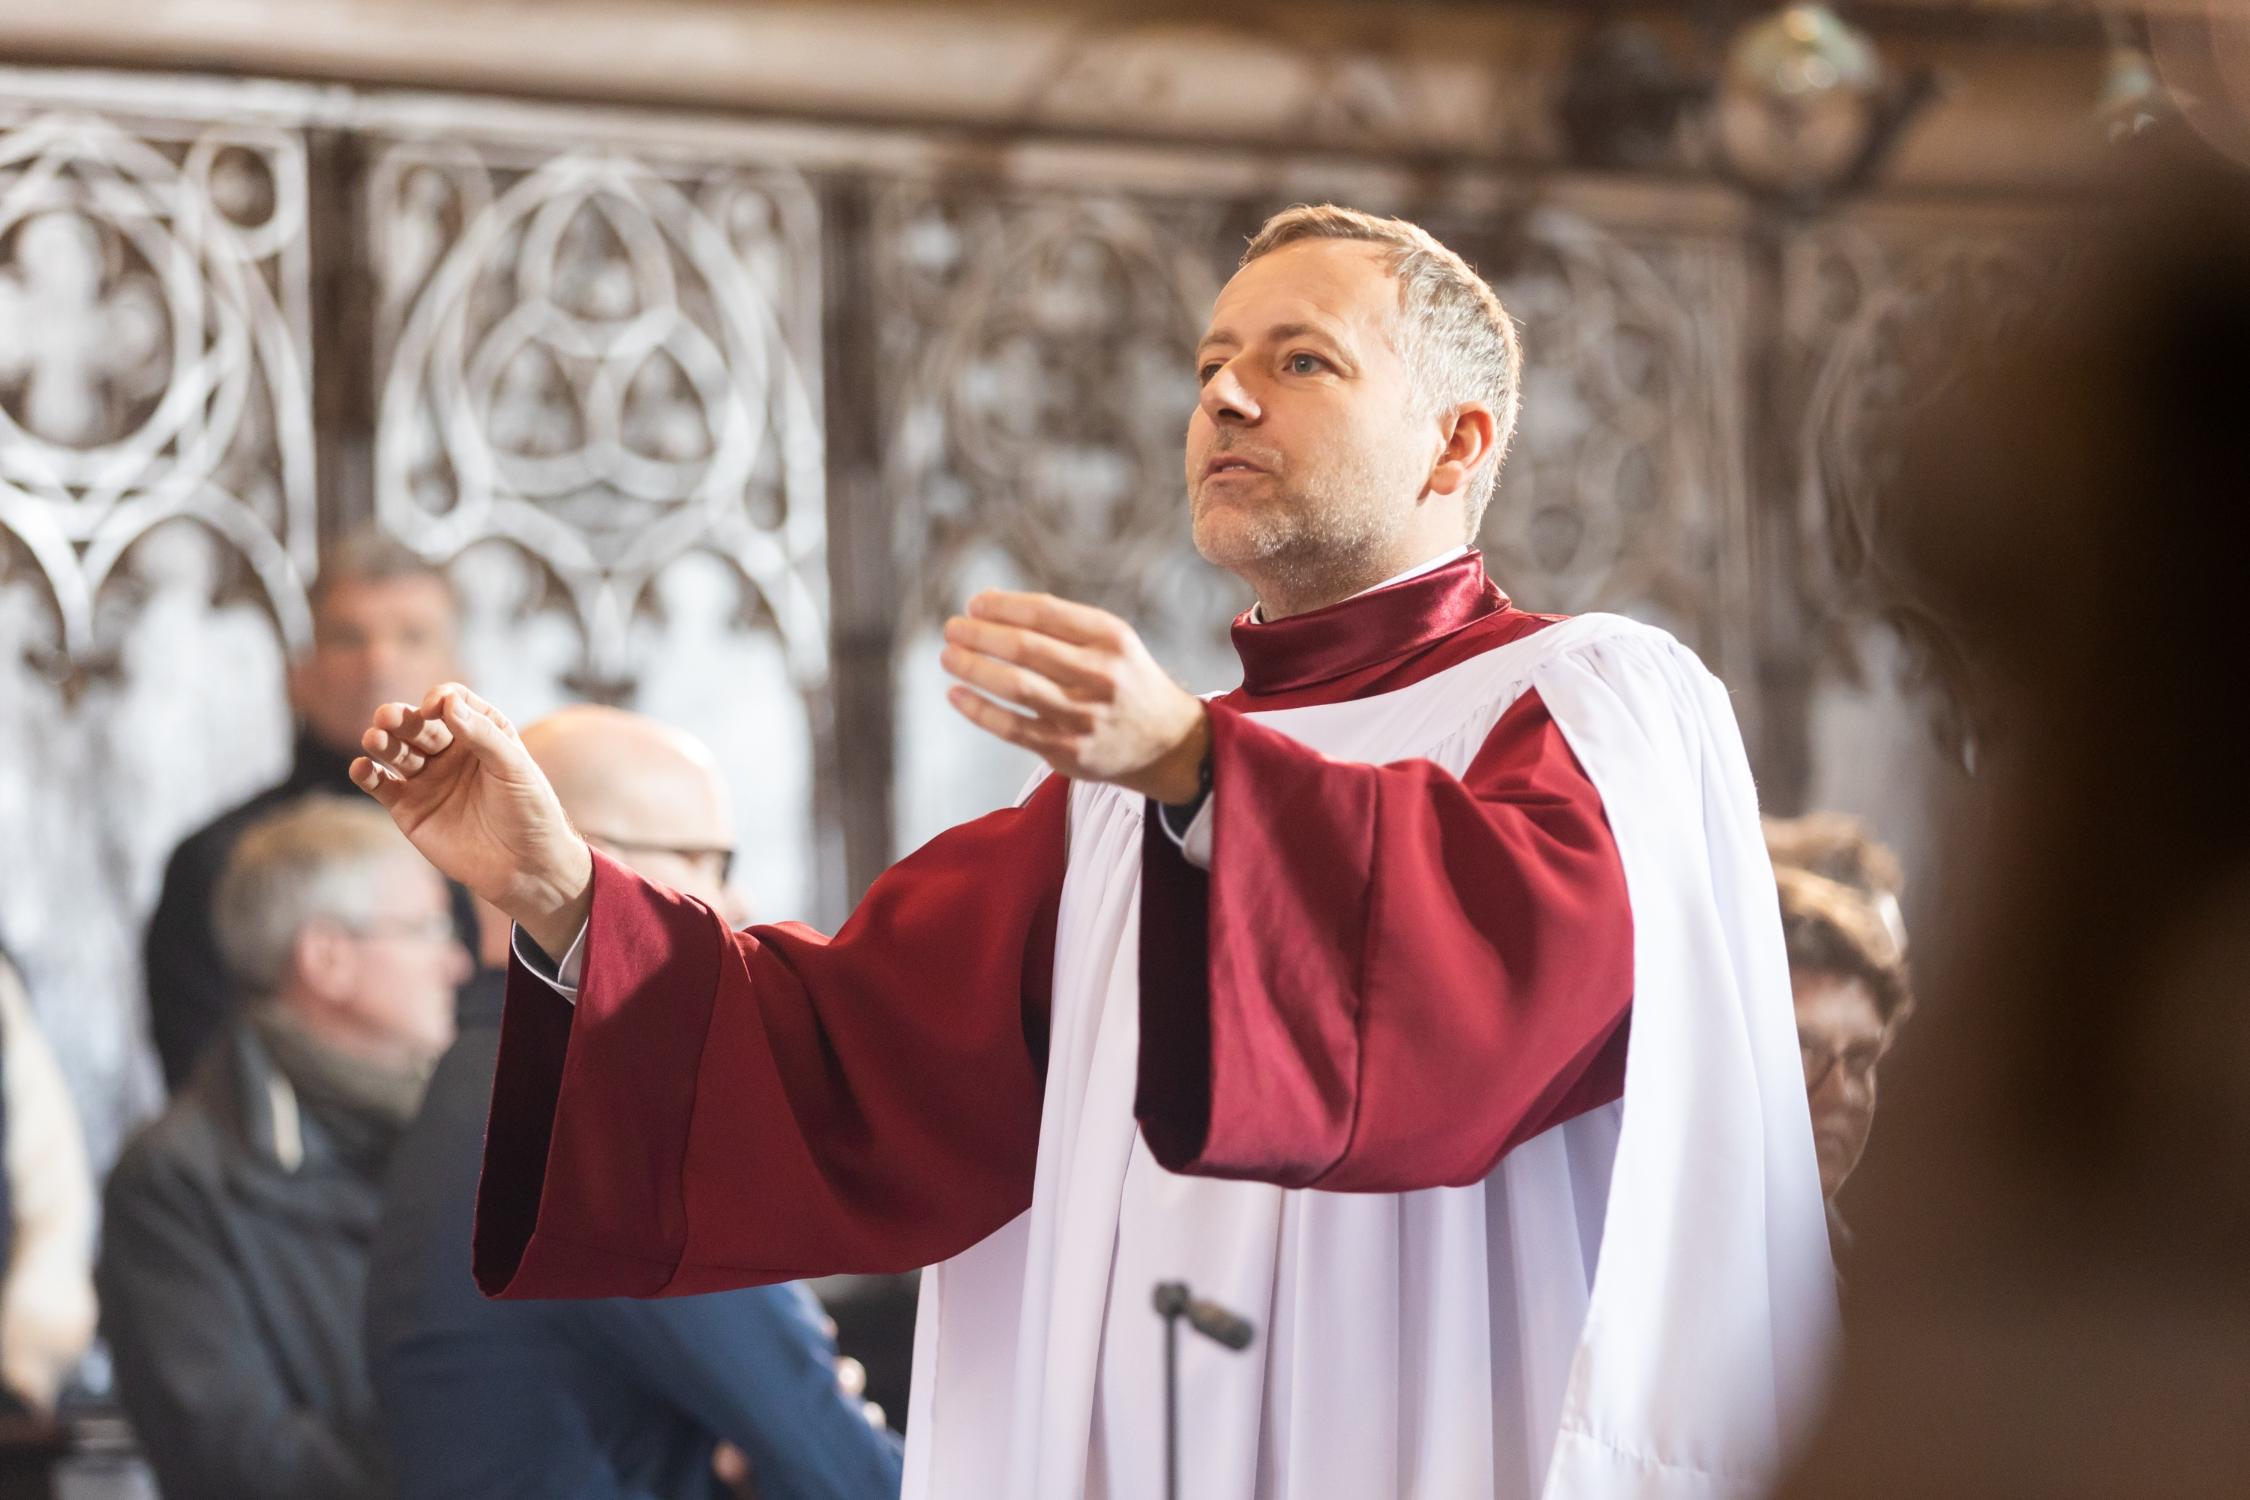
(722,1108)
(1389,976)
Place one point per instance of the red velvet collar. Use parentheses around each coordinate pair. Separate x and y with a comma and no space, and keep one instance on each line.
(1365,630)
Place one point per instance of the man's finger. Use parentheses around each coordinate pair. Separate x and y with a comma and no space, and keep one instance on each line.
(426,735)
(483,729)
(1079,624)
(404,722)
(492,715)
(395,718)
(369,778)
(1050,658)
(433,705)
(1013,684)
(990,717)
(398,752)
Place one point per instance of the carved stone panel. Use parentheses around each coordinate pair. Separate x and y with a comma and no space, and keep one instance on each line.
(601,371)
(153,351)
(157,515)
(1625,489)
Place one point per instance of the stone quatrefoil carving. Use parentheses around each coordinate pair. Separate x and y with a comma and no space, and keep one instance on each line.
(153,357)
(608,366)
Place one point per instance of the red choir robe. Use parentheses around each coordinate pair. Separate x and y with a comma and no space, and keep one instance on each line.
(1391,976)
(889,1076)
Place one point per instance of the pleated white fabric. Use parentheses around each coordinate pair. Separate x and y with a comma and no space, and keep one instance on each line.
(1637,1303)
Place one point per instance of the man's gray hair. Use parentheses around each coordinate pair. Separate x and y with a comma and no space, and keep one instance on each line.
(320,858)
(1459,345)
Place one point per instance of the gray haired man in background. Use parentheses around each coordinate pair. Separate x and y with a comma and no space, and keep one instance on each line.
(237,1225)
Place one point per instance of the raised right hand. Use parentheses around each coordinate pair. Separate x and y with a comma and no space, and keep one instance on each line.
(457,780)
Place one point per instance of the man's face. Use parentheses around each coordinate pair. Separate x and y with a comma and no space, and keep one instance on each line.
(1306,455)
(384,640)
(1841,1037)
(387,985)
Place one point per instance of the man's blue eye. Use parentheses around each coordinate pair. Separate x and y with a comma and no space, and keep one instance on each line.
(1306,364)
(1203,376)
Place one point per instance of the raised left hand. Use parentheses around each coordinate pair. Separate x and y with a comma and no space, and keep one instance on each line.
(1094,704)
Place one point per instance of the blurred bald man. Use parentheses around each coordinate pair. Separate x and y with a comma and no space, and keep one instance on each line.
(645,794)
(617,1398)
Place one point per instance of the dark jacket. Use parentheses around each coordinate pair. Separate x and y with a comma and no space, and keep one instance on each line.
(231,1286)
(488,1400)
(190,997)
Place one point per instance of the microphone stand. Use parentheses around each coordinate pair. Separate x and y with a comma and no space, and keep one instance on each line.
(1174,1302)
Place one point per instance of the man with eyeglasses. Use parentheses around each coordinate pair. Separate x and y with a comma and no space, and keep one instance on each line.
(1847,973)
(237,1226)
(622,1399)
(646,795)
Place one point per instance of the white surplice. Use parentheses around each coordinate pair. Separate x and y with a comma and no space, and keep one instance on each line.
(1635,1305)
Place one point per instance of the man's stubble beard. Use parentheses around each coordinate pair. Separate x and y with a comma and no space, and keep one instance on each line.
(1303,547)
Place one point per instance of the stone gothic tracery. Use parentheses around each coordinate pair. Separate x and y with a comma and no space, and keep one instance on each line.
(720,422)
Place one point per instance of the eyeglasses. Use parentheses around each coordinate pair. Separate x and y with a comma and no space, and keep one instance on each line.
(708,854)
(1858,1060)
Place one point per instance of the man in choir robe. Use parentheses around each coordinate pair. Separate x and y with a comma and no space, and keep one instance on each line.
(235,1227)
(1423,998)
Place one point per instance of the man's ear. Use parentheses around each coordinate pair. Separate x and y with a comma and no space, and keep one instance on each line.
(325,959)
(1469,431)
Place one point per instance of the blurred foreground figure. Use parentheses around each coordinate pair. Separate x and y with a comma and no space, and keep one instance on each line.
(1455,915)
(46,1213)
(236,1228)
(383,628)
(620,1398)
(2051,1289)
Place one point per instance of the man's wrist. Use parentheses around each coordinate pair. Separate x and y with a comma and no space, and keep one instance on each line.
(555,925)
(1177,777)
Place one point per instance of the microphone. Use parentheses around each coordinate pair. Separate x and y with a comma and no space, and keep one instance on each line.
(1174,1301)
(1205,1317)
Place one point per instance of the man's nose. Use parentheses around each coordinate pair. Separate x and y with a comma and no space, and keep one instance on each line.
(1226,398)
(1841,1087)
